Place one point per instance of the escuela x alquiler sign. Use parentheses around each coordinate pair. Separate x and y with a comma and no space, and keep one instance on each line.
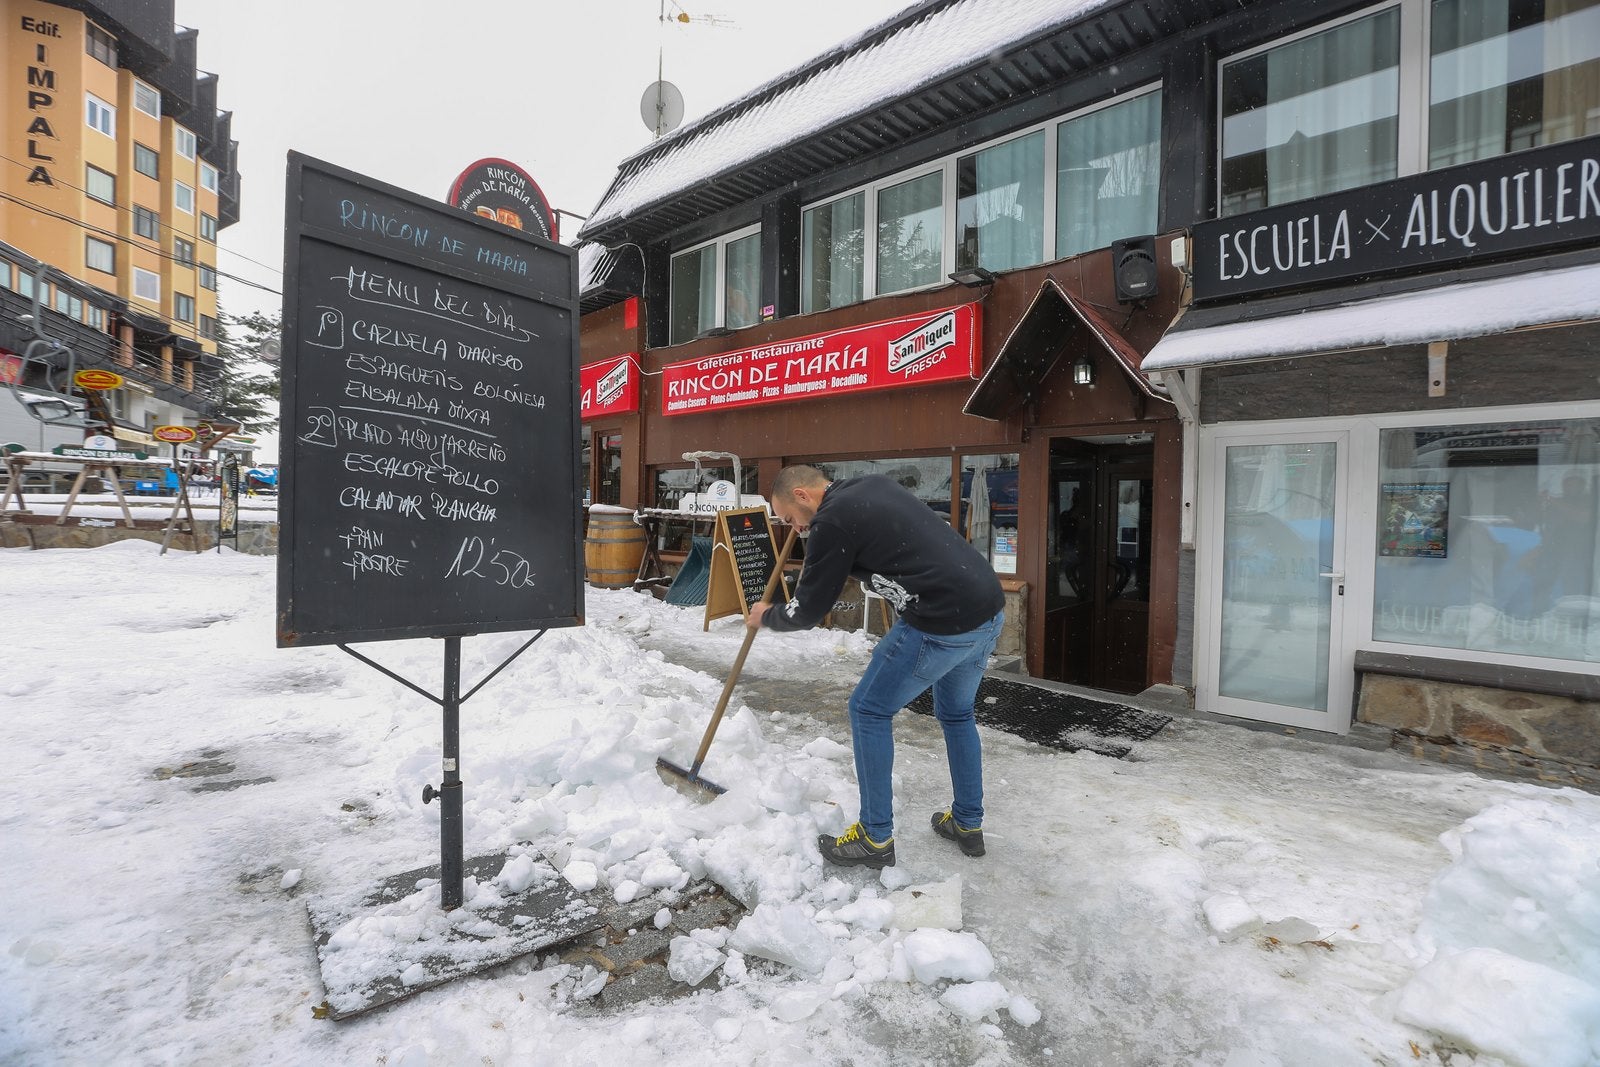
(1527,201)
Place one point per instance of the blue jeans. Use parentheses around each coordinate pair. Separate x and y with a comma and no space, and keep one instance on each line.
(906,662)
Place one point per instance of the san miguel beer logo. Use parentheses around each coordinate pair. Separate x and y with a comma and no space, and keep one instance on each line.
(612,385)
(176,435)
(930,339)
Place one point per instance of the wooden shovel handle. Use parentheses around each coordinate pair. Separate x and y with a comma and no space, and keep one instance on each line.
(744,650)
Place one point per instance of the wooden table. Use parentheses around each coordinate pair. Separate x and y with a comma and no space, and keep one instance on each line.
(109,466)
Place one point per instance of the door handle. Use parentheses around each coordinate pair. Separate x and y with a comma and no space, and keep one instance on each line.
(1336,575)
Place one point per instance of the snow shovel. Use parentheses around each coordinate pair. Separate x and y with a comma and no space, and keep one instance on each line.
(675,775)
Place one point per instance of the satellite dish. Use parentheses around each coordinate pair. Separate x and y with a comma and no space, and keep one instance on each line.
(661,107)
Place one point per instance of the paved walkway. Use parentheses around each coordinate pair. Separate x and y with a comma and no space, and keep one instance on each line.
(825,697)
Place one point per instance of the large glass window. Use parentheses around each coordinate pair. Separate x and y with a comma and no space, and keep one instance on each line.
(694,293)
(910,249)
(100,185)
(100,115)
(1000,205)
(928,477)
(742,288)
(1511,74)
(832,252)
(986,512)
(1108,175)
(1312,116)
(146,285)
(716,285)
(1489,538)
(146,161)
(146,223)
(100,255)
(100,44)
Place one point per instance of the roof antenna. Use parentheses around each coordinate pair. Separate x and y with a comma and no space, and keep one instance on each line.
(661,108)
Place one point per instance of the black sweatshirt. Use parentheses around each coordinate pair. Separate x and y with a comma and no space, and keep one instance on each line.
(873,529)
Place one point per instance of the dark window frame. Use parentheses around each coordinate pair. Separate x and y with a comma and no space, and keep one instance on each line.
(155,172)
(89,241)
(146,223)
(100,44)
(90,169)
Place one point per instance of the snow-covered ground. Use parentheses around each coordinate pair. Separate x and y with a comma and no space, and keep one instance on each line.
(1223,897)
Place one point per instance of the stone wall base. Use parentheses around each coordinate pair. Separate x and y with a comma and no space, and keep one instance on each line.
(1546,726)
(255,538)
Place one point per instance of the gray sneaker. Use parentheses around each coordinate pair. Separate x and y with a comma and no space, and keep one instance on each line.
(854,848)
(971,841)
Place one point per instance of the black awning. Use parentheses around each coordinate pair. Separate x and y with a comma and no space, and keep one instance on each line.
(1056,325)
(609,276)
(141,321)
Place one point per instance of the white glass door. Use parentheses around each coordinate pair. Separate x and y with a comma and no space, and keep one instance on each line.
(1275,589)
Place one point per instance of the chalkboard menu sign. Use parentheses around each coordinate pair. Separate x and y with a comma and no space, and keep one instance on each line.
(743,557)
(754,554)
(429,419)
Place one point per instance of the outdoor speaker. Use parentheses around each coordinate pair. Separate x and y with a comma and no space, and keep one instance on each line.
(1133,265)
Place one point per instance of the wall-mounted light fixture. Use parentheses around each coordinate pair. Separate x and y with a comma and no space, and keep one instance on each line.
(1083,371)
(973,277)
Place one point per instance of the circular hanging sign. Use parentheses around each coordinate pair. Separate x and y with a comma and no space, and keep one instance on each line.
(174,435)
(97,379)
(502,191)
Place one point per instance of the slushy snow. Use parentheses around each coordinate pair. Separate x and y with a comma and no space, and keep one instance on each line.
(178,788)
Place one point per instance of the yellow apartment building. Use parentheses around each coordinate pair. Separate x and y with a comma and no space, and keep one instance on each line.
(118,172)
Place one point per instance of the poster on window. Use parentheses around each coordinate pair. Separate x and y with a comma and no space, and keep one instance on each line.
(1414,519)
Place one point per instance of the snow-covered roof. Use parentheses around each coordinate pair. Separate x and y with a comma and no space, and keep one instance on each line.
(1446,313)
(814,97)
(589,256)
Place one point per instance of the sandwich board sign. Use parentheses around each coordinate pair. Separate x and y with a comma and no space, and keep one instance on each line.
(743,556)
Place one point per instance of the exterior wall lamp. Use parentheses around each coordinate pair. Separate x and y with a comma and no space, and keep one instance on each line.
(1083,371)
(973,277)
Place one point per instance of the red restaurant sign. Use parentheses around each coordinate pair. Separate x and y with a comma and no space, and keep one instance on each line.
(937,346)
(610,388)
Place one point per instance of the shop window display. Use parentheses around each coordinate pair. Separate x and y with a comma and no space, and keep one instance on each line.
(987,510)
(673,485)
(1489,538)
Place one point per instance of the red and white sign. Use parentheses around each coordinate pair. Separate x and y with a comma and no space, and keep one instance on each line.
(610,387)
(174,435)
(10,367)
(922,349)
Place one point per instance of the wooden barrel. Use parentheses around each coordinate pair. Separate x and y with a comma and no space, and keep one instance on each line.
(613,550)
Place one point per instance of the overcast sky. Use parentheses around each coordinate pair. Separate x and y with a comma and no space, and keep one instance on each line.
(411,91)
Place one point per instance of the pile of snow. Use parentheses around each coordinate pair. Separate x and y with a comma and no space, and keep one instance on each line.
(174,928)
(1513,930)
